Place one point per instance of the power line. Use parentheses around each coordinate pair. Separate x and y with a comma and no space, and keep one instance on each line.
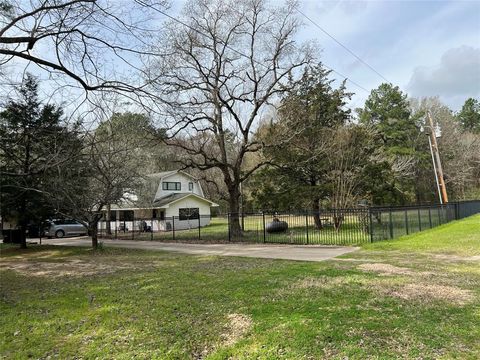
(346,78)
(343,46)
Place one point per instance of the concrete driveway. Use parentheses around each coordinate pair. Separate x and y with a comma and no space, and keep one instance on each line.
(268,251)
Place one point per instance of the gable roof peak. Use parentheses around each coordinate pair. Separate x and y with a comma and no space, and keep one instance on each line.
(164,174)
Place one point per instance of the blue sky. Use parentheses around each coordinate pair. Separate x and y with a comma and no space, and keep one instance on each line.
(428,48)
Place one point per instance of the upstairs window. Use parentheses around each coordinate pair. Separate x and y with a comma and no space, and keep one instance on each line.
(171,186)
(190,186)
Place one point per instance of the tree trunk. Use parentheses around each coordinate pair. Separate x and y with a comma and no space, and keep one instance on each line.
(108,217)
(23,236)
(234,209)
(93,228)
(337,221)
(316,214)
(23,222)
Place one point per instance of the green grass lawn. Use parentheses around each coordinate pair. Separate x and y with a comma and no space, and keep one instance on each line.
(351,232)
(414,297)
(460,238)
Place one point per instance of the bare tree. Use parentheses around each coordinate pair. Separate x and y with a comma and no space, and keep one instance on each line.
(353,149)
(99,44)
(109,169)
(226,62)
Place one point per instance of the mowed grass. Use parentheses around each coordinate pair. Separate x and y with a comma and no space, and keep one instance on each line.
(301,230)
(415,297)
(459,238)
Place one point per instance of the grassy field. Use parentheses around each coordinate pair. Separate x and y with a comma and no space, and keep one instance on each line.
(414,297)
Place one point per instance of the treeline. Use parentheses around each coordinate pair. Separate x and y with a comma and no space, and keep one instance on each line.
(318,153)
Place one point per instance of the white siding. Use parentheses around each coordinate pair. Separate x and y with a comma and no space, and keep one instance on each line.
(183,180)
(191,202)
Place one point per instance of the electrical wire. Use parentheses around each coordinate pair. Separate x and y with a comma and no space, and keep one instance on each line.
(343,46)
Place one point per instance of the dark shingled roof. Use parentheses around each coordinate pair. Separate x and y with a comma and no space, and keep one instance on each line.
(168,199)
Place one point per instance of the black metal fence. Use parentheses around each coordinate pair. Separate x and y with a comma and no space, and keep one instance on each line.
(331,227)
(393,222)
(201,228)
(335,226)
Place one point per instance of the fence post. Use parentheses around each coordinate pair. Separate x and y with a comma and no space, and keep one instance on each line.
(406,221)
(371,224)
(419,221)
(439,217)
(306,224)
(264,230)
(390,223)
(199,225)
(173,227)
(133,229)
(457,213)
(116,227)
(151,228)
(430,216)
(228,224)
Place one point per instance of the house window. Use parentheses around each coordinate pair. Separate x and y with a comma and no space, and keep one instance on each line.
(190,186)
(166,185)
(126,215)
(188,213)
(158,214)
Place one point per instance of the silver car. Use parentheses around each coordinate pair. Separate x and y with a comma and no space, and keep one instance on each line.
(61,228)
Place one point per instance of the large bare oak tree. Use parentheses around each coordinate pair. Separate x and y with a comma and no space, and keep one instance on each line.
(226,62)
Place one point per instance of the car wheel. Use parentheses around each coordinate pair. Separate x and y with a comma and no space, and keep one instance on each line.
(59,233)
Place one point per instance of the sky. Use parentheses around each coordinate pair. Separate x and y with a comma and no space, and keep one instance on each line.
(427,48)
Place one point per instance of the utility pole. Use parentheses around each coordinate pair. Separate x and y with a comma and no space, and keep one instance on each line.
(435,169)
(437,165)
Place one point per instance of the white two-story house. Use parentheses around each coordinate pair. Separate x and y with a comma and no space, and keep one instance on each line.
(169,200)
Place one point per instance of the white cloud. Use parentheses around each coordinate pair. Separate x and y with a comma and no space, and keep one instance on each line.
(456,77)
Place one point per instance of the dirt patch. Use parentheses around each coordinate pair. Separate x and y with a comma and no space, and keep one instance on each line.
(64,268)
(455,258)
(320,282)
(352,259)
(386,269)
(428,292)
(237,327)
